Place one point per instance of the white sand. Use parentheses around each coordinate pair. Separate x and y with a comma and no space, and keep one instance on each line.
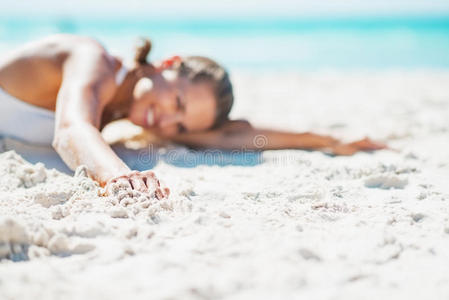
(300,225)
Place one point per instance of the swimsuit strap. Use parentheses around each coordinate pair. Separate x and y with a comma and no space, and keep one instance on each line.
(120,75)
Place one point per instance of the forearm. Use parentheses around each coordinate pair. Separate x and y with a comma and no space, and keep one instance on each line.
(82,144)
(256,139)
(290,140)
(240,135)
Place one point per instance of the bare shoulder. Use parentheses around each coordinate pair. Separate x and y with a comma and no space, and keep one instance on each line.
(58,44)
(86,56)
(71,41)
(56,50)
(79,47)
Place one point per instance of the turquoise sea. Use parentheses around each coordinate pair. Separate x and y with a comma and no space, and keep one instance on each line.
(407,42)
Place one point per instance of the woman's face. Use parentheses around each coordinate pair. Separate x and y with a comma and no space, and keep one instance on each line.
(169,105)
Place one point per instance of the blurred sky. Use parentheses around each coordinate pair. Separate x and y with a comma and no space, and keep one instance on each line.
(222,8)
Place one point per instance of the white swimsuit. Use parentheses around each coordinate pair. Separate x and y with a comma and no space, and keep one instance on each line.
(25,122)
(29,123)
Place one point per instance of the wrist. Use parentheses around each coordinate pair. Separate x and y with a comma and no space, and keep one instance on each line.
(107,175)
(332,142)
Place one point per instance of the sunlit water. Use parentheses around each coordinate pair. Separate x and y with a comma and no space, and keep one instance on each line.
(294,43)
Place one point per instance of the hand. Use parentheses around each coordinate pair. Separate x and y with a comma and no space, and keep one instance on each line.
(144,182)
(362,145)
(367,144)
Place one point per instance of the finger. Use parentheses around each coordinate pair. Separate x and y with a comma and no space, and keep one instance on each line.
(154,185)
(138,184)
(117,184)
(163,191)
(150,180)
(160,192)
(159,195)
(370,146)
(124,183)
(377,147)
(380,146)
(359,144)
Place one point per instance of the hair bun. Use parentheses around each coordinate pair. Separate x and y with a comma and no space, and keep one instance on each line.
(143,48)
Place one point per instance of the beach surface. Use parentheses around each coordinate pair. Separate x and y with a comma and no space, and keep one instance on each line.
(275,225)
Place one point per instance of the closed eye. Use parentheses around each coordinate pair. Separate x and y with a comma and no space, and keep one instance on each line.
(181,128)
(179,104)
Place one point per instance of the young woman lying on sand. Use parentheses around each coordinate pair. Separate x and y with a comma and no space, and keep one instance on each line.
(64,89)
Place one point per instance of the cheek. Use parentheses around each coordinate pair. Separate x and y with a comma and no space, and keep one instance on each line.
(160,99)
(135,115)
(145,99)
(138,109)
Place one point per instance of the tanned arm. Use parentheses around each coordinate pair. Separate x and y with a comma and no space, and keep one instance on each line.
(88,85)
(240,135)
